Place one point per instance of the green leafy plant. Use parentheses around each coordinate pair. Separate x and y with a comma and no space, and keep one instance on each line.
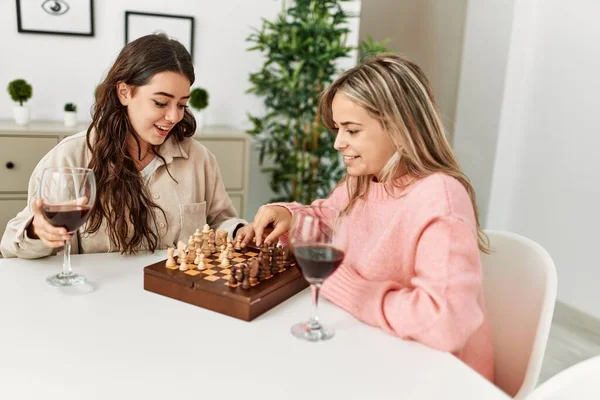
(20,91)
(301,46)
(70,107)
(369,47)
(198,99)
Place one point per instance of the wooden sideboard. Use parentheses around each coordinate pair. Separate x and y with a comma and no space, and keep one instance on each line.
(22,147)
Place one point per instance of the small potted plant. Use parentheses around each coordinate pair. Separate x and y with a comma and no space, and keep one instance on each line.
(20,91)
(198,102)
(70,114)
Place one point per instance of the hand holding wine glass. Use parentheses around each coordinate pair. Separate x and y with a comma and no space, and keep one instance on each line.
(67,196)
(318,249)
(41,229)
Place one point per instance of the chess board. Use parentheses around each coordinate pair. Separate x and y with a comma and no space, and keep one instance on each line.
(211,289)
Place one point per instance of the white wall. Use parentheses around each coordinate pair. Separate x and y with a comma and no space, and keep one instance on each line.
(482,78)
(544,181)
(429,32)
(67,68)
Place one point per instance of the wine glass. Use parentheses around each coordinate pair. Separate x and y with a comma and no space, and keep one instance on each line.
(316,244)
(68,195)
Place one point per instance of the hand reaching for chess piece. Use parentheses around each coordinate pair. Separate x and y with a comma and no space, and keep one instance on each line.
(269,224)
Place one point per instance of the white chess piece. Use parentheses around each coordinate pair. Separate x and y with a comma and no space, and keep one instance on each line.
(171,260)
(225,262)
(201,265)
(230,250)
(183,266)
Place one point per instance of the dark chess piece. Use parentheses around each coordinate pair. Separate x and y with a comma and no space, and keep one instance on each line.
(274,255)
(264,265)
(286,255)
(246,281)
(279,261)
(232,279)
(253,271)
(239,273)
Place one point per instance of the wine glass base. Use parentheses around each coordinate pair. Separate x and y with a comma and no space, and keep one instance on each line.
(62,280)
(303,331)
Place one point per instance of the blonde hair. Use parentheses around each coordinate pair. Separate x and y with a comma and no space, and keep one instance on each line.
(397,93)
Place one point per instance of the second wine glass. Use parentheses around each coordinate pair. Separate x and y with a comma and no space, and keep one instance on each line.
(314,239)
(68,195)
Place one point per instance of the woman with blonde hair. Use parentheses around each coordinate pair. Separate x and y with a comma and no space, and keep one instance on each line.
(412,264)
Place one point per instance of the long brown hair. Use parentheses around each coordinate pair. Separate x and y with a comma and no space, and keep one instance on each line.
(397,93)
(122,198)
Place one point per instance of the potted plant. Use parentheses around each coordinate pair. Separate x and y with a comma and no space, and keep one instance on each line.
(20,91)
(70,114)
(301,48)
(198,102)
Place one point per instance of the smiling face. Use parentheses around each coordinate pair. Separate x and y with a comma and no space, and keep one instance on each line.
(366,147)
(155,108)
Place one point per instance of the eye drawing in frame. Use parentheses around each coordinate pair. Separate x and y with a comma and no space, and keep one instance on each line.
(56,17)
(179,27)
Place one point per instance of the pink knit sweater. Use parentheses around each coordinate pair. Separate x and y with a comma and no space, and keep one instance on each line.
(412,267)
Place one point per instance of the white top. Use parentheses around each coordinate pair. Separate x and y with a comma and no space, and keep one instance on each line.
(120,341)
(149,169)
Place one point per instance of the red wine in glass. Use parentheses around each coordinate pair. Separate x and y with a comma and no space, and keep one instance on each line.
(313,238)
(65,216)
(68,196)
(318,261)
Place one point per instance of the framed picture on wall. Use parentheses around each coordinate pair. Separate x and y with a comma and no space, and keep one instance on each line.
(56,17)
(178,27)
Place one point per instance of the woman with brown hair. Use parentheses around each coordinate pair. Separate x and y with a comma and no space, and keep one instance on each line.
(155,184)
(411,230)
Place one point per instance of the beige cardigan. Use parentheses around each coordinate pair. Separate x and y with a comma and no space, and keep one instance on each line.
(198,197)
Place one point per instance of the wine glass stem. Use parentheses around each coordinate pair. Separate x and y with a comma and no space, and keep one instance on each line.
(66,271)
(313,322)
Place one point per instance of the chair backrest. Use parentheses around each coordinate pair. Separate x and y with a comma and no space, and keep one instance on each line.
(519,280)
(577,382)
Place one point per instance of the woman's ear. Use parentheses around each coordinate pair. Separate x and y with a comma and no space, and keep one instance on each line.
(124,93)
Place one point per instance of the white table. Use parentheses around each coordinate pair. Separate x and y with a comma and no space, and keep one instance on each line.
(121,342)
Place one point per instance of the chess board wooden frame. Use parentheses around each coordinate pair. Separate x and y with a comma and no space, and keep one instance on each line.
(244,304)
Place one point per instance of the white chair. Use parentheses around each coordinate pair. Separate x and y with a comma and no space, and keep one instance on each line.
(578,382)
(519,280)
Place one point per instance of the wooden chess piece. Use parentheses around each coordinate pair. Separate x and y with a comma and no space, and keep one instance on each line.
(230,251)
(200,258)
(253,265)
(171,260)
(221,238)
(238,243)
(239,273)
(264,270)
(279,260)
(232,280)
(224,260)
(211,242)
(192,245)
(246,281)
(286,256)
(180,251)
(191,252)
(274,254)
(180,255)
(183,266)
(206,248)
(198,238)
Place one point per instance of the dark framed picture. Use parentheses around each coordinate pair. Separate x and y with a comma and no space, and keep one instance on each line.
(178,27)
(56,17)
